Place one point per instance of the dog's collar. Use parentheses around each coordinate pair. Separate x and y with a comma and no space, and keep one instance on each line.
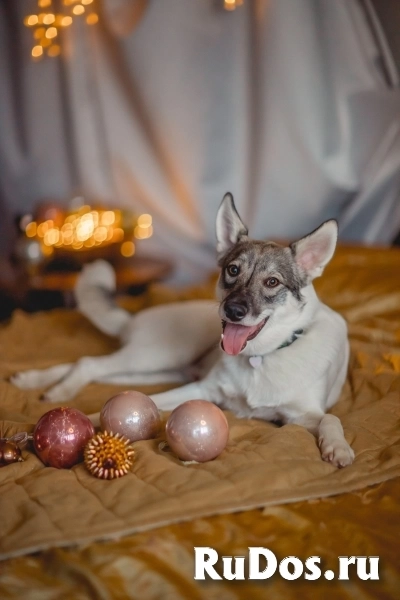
(256,361)
(296,334)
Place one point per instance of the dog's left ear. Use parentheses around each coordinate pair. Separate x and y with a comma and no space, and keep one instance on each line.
(313,252)
(229,226)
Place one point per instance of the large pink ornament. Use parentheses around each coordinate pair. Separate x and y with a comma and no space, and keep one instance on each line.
(60,437)
(131,414)
(197,430)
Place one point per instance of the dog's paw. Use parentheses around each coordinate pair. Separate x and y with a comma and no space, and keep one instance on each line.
(59,393)
(25,380)
(338,452)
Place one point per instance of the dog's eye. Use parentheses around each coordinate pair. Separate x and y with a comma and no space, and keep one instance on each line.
(232,270)
(272,282)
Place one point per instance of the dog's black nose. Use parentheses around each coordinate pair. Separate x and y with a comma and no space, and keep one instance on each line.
(236,311)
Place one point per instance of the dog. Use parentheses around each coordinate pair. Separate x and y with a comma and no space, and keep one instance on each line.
(282,354)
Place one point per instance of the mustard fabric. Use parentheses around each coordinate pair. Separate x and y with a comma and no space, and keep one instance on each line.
(263,466)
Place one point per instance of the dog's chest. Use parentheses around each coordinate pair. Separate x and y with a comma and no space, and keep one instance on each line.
(265,387)
(262,382)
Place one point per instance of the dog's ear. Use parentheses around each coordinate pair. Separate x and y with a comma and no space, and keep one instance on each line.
(229,226)
(313,252)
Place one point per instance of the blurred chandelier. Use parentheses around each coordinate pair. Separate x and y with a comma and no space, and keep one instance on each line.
(47,24)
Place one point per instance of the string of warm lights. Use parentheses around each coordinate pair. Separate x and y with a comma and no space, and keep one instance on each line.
(88,228)
(47,24)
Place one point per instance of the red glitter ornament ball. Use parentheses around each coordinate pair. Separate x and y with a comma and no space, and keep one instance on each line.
(60,437)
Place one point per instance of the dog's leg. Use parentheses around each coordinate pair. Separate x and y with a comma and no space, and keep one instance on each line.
(178,377)
(173,398)
(332,443)
(89,369)
(40,378)
(329,432)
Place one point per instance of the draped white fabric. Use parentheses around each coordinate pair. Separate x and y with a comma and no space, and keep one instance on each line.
(282,102)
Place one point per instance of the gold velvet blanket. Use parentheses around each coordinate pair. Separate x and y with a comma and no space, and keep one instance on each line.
(263,466)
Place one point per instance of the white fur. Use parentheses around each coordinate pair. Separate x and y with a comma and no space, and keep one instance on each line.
(295,384)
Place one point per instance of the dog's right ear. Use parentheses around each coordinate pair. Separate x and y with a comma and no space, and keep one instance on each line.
(313,252)
(229,226)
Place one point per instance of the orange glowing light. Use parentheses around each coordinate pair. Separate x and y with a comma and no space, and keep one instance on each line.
(47,250)
(31,20)
(51,33)
(37,51)
(51,237)
(230,4)
(39,32)
(92,19)
(128,249)
(107,218)
(78,9)
(100,234)
(142,233)
(118,235)
(54,50)
(66,21)
(31,229)
(145,220)
(49,19)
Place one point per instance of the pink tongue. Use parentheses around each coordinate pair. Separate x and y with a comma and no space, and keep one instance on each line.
(235,336)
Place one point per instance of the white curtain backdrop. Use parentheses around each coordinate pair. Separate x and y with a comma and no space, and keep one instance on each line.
(292,105)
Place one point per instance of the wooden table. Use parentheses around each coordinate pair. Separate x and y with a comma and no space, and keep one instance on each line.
(137,272)
(25,288)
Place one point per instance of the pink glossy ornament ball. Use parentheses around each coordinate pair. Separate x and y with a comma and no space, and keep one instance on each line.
(197,430)
(131,414)
(60,437)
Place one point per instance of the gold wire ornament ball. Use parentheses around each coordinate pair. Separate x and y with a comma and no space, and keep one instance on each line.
(108,455)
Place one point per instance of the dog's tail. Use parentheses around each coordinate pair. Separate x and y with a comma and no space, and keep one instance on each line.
(94,291)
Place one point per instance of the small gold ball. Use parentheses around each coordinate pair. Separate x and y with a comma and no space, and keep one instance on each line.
(108,455)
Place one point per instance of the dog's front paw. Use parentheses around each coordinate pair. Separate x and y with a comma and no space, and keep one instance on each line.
(338,452)
(57,395)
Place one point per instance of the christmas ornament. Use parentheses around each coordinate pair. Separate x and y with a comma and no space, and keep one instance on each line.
(108,455)
(197,430)
(60,436)
(10,452)
(131,414)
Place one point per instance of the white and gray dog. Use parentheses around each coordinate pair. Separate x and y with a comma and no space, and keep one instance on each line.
(282,354)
